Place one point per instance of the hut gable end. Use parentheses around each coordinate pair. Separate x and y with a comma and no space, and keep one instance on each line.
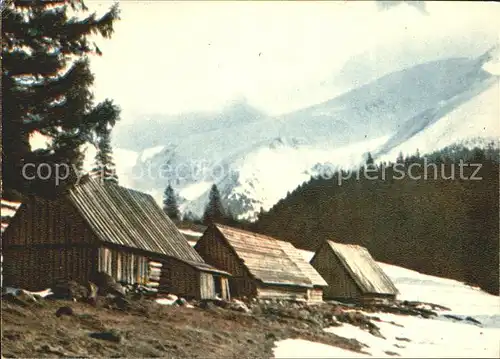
(46,240)
(46,223)
(215,250)
(340,282)
(351,271)
(368,275)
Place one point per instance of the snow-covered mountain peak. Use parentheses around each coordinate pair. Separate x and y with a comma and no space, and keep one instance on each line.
(255,160)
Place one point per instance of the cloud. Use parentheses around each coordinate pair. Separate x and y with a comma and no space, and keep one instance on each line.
(172,57)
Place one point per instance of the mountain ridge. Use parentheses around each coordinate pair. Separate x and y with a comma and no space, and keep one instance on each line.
(393,108)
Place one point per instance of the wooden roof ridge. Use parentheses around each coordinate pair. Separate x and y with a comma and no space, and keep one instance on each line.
(362,267)
(253,234)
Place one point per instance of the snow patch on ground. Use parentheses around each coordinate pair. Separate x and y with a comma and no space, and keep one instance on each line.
(17,291)
(413,337)
(464,300)
(429,338)
(299,348)
(190,232)
(169,300)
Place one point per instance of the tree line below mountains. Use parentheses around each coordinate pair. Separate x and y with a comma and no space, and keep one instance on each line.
(443,223)
(215,211)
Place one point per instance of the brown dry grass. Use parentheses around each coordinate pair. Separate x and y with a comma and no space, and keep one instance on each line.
(150,330)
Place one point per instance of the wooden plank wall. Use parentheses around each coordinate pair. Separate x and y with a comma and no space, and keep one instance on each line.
(207,286)
(243,286)
(315,294)
(375,297)
(181,279)
(216,253)
(282,292)
(42,222)
(38,269)
(340,283)
(125,267)
(220,286)
(47,241)
(226,291)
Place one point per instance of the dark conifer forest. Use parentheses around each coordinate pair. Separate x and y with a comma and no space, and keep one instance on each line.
(443,223)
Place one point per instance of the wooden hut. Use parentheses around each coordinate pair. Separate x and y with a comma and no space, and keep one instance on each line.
(351,273)
(103,228)
(261,266)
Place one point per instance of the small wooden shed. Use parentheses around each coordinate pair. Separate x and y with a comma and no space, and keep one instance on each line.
(261,266)
(99,227)
(351,273)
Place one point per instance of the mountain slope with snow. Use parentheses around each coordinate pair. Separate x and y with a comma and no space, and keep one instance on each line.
(255,162)
(475,118)
(416,337)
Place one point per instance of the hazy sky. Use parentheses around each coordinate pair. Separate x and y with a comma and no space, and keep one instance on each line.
(170,57)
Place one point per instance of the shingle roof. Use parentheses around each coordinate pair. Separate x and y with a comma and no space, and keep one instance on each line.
(304,266)
(130,218)
(367,274)
(270,260)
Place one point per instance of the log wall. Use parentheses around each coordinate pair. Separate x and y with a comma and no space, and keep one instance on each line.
(125,267)
(216,253)
(282,292)
(315,294)
(47,241)
(340,283)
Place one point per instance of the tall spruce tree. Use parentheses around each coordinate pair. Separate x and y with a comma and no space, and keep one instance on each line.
(369,159)
(46,82)
(170,205)
(214,211)
(104,168)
